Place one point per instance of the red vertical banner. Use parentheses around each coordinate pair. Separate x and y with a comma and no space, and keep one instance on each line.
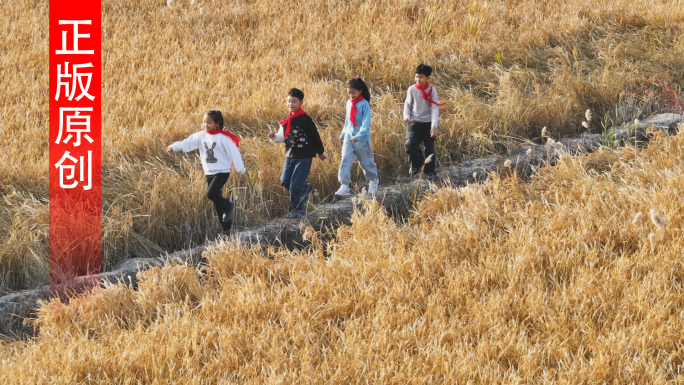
(75,141)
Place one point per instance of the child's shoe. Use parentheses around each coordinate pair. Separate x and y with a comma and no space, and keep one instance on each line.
(224,235)
(373,186)
(343,191)
(431,175)
(227,225)
(228,215)
(298,213)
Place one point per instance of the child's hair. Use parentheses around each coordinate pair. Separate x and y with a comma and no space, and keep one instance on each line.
(424,69)
(360,85)
(296,93)
(217,117)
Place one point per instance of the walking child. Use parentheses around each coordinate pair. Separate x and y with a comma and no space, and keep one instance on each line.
(218,151)
(302,143)
(421,112)
(355,138)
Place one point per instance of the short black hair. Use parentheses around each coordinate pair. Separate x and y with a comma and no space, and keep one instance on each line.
(217,117)
(296,93)
(424,69)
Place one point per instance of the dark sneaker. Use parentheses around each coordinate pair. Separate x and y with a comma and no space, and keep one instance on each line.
(227,225)
(228,215)
(431,175)
(295,214)
(414,172)
(223,235)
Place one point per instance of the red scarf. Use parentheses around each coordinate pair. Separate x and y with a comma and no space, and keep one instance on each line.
(288,120)
(426,95)
(352,114)
(226,133)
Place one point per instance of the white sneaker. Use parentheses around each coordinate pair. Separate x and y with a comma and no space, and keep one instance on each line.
(373,186)
(343,191)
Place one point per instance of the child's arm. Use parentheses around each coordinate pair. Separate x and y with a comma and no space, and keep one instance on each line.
(315,138)
(187,145)
(434,109)
(235,156)
(407,106)
(364,129)
(347,108)
(278,137)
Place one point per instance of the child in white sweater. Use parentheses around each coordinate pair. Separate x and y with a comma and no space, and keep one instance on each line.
(218,151)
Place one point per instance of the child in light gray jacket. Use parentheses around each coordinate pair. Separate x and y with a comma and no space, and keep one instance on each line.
(421,112)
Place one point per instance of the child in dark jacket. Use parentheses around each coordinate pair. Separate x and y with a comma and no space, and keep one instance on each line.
(302,144)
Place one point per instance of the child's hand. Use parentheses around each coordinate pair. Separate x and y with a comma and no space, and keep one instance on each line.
(354,139)
(169,150)
(341,140)
(271,135)
(322,156)
(433,132)
(408,120)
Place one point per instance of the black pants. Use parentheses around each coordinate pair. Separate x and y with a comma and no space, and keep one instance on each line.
(417,133)
(215,183)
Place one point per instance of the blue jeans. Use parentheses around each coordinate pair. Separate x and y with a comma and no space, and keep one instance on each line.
(364,154)
(293,178)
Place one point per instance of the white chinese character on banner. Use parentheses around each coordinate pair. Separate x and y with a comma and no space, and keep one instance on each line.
(71,168)
(75,50)
(72,122)
(75,76)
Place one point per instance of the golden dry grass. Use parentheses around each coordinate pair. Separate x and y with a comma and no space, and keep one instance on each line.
(503,71)
(505,282)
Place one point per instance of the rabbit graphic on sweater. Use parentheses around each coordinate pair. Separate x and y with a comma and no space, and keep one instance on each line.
(210,153)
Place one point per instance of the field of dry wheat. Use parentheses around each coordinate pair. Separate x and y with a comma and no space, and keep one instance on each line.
(574,277)
(504,69)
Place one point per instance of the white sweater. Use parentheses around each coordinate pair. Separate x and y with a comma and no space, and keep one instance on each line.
(419,109)
(218,152)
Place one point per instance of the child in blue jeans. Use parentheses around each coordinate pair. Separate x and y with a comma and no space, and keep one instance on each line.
(355,138)
(302,143)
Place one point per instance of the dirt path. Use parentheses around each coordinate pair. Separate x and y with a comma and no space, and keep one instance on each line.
(524,158)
